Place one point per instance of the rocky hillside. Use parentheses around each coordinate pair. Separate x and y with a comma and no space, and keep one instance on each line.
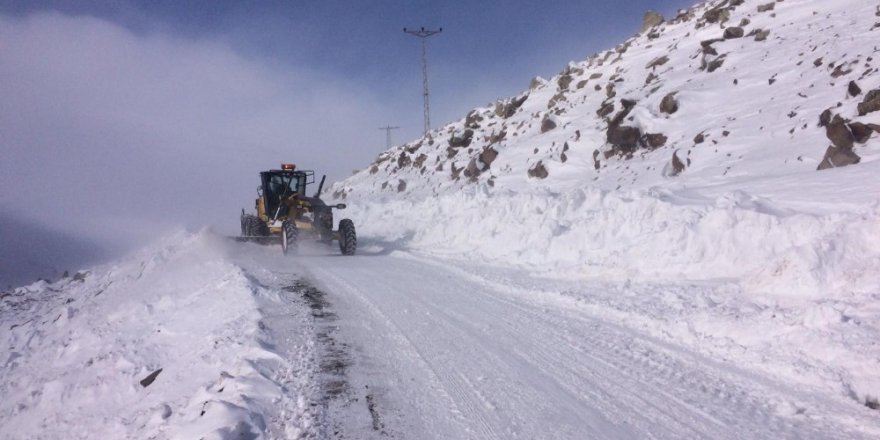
(724,93)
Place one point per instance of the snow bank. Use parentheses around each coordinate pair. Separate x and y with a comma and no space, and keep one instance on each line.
(80,352)
(643,235)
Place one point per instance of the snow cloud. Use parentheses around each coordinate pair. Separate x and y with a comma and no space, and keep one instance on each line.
(118,136)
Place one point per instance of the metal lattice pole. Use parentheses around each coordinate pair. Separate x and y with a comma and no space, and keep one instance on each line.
(388,129)
(424,34)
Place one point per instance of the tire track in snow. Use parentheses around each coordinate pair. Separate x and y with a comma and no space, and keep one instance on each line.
(509,365)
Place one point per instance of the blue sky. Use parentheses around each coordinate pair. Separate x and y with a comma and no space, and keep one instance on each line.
(129,119)
(487,50)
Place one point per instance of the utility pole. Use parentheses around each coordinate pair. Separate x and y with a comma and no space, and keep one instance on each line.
(388,129)
(424,34)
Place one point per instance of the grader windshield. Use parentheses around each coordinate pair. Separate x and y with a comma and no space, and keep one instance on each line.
(281,184)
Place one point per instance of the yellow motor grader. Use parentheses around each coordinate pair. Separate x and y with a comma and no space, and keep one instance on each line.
(285,213)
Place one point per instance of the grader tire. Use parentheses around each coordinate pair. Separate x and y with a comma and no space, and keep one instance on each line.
(347,237)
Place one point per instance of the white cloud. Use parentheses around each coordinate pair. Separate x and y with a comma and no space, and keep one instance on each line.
(112,134)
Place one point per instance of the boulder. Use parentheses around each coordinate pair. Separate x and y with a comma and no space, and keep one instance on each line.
(871,103)
(473,119)
(715,65)
(699,139)
(494,138)
(853,89)
(767,7)
(563,82)
(508,108)
(761,35)
(403,160)
(825,118)
(628,105)
(656,62)
(547,124)
(655,140)
(420,160)
(669,104)
(488,156)
(147,381)
(455,172)
(461,141)
(717,15)
(677,165)
(401,186)
(539,171)
(605,110)
(624,139)
(650,20)
(835,158)
(839,135)
(734,32)
(861,132)
(471,171)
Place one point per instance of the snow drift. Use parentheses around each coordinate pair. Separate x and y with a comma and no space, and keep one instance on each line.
(168,343)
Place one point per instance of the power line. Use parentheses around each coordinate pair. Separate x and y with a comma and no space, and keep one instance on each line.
(388,129)
(424,34)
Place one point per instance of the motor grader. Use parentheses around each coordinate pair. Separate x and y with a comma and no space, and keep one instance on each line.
(285,214)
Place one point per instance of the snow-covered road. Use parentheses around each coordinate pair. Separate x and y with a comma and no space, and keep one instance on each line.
(428,349)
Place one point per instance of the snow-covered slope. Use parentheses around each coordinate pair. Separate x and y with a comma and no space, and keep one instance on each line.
(746,107)
(710,150)
(689,151)
(169,343)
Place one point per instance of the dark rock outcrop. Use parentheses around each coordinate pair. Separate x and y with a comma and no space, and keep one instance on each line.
(669,104)
(655,140)
(717,15)
(841,152)
(147,381)
(471,171)
(657,62)
(650,20)
(836,158)
(734,32)
(401,186)
(624,139)
(767,7)
(547,124)
(509,108)
(760,34)
(839,134)
(677,165)
(539,171)
(825,118)
(461,141)
(488,156)
(473,120)
(861,132)
(403,160)
(853,89)
(871,103)
(605,110)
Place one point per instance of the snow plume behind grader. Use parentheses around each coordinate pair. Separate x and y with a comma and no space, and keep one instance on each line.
(285,214)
